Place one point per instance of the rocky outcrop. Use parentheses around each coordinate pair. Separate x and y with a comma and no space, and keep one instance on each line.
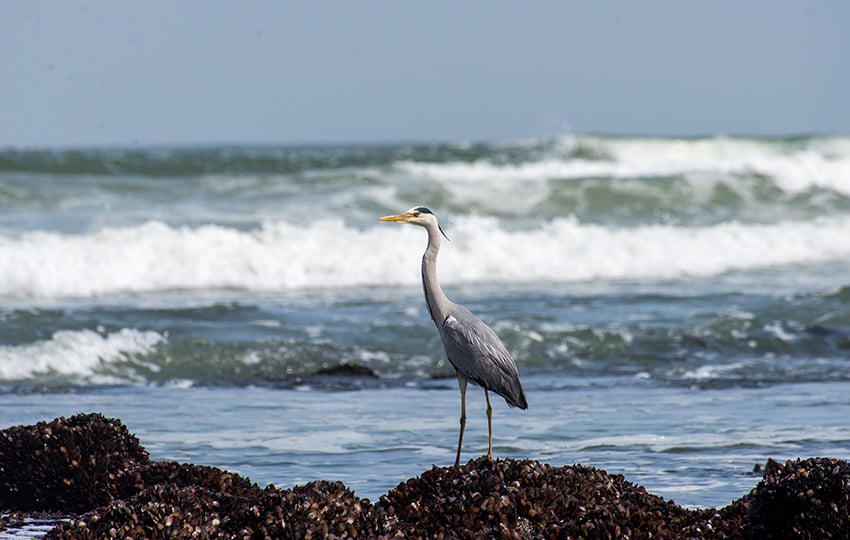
(96,473)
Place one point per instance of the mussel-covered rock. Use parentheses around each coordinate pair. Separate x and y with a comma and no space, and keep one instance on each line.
(317,510)
(71,464)
(528,499)
(185,475)
(802,499)
(90,467)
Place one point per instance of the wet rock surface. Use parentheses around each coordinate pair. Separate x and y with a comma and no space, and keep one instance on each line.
(95,472)
(348,369)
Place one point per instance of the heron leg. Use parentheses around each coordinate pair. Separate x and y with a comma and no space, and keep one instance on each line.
(489,426)
(461,382)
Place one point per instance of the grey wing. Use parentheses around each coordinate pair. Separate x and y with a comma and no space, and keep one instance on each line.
(475,350)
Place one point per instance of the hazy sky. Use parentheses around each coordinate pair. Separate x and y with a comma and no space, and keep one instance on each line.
(79,73)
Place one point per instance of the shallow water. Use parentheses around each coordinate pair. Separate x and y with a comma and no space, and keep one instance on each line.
(679,309)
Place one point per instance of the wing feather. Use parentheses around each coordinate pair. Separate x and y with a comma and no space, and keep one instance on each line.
(475,350)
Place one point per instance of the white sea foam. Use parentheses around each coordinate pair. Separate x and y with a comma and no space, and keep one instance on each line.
(76,353)
(281,256)
(708,372)
(821,164)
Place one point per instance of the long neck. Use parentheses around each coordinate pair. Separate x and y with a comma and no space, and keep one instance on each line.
(438,303)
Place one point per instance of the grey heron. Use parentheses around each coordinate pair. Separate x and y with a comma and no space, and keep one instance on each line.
(472,347)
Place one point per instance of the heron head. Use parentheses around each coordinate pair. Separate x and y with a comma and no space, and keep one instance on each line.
(418,215)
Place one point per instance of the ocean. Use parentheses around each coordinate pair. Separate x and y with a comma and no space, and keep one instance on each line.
(679,309)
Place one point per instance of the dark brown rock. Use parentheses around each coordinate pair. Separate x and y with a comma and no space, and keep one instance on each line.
(316,510)
(91,467)
(71,464)
(528,499)
(348,369)
(802,499)
(184,475)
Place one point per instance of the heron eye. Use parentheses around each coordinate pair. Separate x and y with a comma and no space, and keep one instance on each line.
(415,214)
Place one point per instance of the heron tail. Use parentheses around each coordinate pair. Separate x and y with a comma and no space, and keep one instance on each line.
(515,396)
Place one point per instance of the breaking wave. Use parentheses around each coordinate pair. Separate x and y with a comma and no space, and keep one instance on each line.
(155,256)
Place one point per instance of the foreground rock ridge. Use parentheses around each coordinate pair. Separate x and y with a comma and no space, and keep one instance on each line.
(93,471)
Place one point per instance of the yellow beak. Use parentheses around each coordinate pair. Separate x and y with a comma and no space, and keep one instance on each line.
(395,217)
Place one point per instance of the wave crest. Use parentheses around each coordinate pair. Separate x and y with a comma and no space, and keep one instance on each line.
(329,254)
(76,354)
